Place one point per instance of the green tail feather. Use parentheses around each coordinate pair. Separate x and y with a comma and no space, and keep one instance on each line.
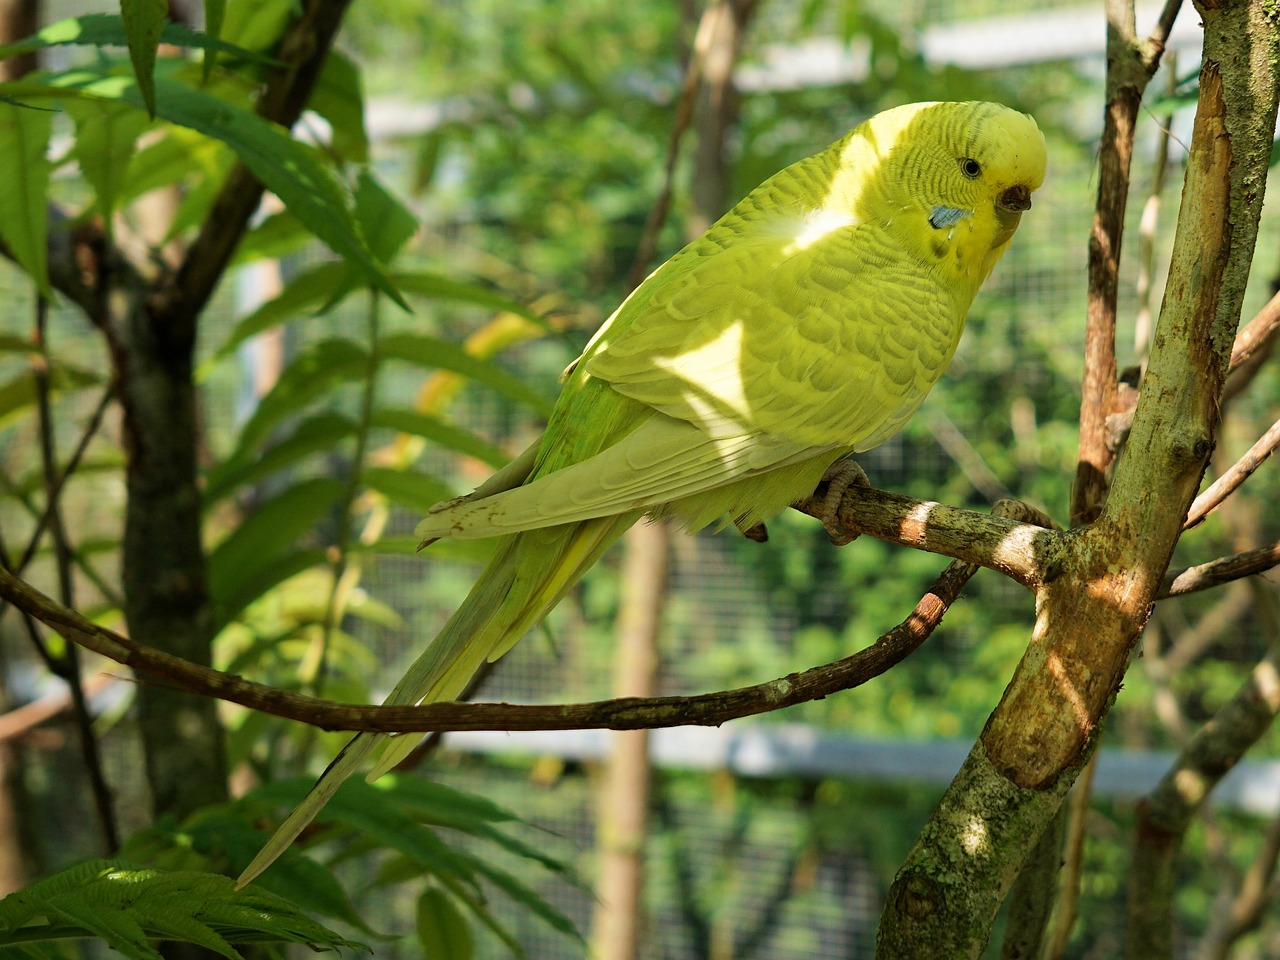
(528,575)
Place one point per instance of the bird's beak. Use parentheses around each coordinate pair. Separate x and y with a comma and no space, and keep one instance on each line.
(1015,199)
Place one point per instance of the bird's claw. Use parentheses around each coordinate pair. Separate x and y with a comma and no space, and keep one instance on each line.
(840,476)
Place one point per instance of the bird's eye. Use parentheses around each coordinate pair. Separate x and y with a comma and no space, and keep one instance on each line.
(970,167)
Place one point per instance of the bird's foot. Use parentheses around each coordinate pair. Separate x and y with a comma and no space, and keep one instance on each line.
(756,531)
(840,476)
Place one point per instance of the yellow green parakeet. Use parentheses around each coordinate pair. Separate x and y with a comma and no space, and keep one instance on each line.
(807,324)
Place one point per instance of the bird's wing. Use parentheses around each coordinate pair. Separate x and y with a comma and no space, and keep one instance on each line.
(832,341)
(662,460)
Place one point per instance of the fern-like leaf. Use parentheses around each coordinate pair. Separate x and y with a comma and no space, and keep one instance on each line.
(127,907)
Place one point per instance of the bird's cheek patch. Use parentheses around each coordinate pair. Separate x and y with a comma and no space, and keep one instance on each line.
(940,218)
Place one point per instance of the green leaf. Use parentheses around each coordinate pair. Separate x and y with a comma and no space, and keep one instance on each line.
(125,906)
(443,806)
(433,352)
(215,11)
(440,433)
(24,199)
(222,831)
(168,161)
(295,172)
(339,98)
(425,160)
(107,29)
(257,24)
(522,894)
(256,583)
(439,287)
(369,810)
(143,23)
(417,491)
(20,392)
(243,558)
(316,370)
(275,237)
(305,293)
(383,218)
(442,930)
(106,134)
(314,435)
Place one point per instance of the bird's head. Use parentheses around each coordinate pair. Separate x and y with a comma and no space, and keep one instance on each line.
(953,179)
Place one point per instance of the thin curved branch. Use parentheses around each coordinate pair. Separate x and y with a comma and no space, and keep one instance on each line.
(1206,576)
(710,709)
(1240,471)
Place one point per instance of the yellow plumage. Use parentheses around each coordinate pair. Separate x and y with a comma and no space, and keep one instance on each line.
(808,323)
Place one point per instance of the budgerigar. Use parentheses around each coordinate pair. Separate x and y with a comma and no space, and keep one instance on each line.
(807,324)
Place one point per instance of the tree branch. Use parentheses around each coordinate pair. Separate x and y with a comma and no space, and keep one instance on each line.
(1240,471)
(303,50)
(1130,65)
(1015,539)
(1205,576)
(1165,814)
(710,709)
(1090,614)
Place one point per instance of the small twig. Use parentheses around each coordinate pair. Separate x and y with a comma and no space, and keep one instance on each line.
(1256,334)
(1164,702)
(966,457)
(1166,813)
(68,664)
(1205,576)
(1075,830)
(710,709)
(73,462)
(1164,26)
(648,244)
(34,510)
(22,720)
(1238,473)
(1250,345)
(343,573)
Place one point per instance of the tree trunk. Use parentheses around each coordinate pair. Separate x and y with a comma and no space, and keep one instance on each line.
(1104,577)
(623,819)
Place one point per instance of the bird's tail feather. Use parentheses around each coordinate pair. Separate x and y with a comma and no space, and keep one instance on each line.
(528,575)
(516,591)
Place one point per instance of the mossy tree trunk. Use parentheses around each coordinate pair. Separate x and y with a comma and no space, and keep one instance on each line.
(1095,600)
